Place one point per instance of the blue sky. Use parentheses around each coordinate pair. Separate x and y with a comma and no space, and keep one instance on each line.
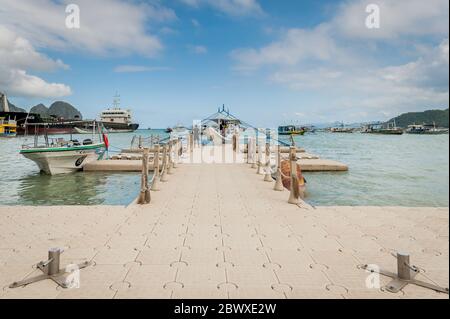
(270,62)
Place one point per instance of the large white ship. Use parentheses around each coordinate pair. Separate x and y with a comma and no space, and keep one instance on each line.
(114,120)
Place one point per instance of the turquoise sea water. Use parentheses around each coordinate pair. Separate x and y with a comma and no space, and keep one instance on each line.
(408,170)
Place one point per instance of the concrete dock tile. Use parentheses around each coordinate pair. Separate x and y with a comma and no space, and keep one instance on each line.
(45,289)
(415,292)
(209,256)
(300,278)
(159,256)
(151,275)
(255,292)
(201,275)
(251,276)
(115,256)
(246,257)
(199,292)
(291,258)
(86,292)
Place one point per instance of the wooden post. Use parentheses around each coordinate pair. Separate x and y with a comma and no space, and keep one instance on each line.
(164,165)
(156,176)
(249,150)
(191,142)
(140,141)
(279,181)
(259,166)
(295,191)
(175,153)
(170,159)
(268,176)
(144,196)
(254,153)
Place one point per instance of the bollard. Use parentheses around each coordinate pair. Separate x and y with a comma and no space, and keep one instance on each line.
(156,176)
(295,192)
(268,176)
(279,181)
(403,268)
(54,255)
(51,270)
(164,163)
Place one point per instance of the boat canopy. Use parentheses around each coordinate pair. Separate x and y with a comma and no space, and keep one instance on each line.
(221,116)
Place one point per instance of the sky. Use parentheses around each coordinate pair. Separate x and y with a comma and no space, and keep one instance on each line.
(270,62)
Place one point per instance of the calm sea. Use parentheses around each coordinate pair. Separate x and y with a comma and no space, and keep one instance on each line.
(408,170)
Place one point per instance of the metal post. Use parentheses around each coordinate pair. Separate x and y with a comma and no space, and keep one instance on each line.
(403,268)
(140,141)
(268,176)
(54,255)
(295,191)
(156,166)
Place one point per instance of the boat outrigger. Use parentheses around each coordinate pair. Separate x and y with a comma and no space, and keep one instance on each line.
(58,156)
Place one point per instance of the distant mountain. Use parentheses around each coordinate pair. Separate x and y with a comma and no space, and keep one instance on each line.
(440,117)
(40,109)
(64,110)
(12,107)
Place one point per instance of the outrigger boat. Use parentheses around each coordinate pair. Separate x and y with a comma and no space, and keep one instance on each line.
(291,130)
(58,156)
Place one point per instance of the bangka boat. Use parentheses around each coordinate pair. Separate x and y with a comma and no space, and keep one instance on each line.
(385,129)
(8,128)
(58,156)
(429,129)
(291,130)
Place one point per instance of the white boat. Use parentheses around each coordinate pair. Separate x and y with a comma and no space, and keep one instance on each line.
(58,156)
(89,131)
(64,158)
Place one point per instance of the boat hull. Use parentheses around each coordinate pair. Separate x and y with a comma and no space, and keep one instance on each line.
(59,161)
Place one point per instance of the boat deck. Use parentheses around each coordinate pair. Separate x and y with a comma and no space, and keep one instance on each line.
(220,231)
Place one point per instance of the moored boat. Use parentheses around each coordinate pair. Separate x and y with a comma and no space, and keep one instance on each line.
(58,156)
(8,127)
(291,130)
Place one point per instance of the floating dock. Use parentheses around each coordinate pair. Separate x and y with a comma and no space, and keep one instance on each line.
(220,231)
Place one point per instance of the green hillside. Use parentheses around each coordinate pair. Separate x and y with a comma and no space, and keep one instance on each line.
(440,117)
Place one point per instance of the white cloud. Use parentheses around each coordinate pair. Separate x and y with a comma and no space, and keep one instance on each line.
(138,69)
(198,49)
(107,26)
(229,7)
(342,64)
(17,55)
(18,82)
